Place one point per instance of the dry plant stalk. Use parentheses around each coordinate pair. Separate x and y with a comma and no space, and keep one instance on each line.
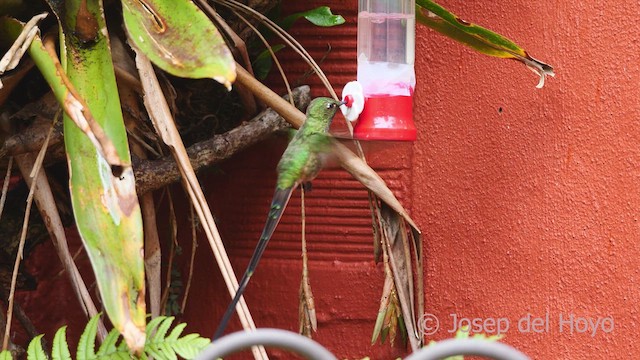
(12,57)
(173,224)
(239,50)
(152,255)
(306,308)
(192,259)
(47,206)
(23,236)
(165,126)
(5,185)
(370,179)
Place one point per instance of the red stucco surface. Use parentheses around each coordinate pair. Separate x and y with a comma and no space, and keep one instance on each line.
(528,199)
(534,209)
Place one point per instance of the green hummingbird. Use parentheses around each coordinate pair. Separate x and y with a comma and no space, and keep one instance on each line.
(301,162)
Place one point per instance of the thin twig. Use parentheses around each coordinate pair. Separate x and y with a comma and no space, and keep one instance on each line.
(273,55)
(348,160)
(5,185)
(308,320)
(164,124)
(172,250)
(154,174)
(24,320)
(152,252)
(12,57)
(23,236)
(194,246)
(239,49)
(74,257)
(46,204)
(152,255)
(285,36)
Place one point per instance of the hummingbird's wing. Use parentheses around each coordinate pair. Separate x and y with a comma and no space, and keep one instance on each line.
(278,204)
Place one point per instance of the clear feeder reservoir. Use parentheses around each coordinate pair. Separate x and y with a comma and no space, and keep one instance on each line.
(386,54)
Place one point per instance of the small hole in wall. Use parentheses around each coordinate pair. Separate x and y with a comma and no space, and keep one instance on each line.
(500,110)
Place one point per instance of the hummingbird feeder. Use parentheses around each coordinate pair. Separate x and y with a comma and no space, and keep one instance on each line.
(382,98)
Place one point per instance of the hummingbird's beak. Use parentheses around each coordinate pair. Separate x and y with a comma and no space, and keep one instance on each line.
(342,103)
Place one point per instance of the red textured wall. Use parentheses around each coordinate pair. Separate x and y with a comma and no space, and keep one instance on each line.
(534,209)
(528,199)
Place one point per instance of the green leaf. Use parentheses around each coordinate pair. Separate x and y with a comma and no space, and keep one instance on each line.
(153,351)
(264,62)
(87,343)
(105,206)
(175,333)
(476,37)
(164,327)
(179,38)
(35,350)
(153,324)
(189,346)
(67,96)
(378,326)
(108,346)
(161,347)
(6,355)
(60,350)
(463,332)
(320,16)
(167,352)
(122,355)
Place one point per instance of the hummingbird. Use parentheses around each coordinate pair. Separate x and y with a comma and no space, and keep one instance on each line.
(300,163)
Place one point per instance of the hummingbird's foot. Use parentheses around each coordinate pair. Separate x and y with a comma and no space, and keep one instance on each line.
(306,186)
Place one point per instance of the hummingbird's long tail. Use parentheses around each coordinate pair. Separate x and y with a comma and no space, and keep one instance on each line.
(278,204)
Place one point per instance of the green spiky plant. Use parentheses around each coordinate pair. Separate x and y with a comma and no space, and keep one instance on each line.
(161,344)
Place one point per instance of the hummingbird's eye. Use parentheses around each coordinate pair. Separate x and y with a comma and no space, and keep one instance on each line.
(331,105)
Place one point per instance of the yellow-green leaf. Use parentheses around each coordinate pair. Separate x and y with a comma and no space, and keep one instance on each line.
(35,350)
(60,349)
(179,38)
(105,205)
(476,37)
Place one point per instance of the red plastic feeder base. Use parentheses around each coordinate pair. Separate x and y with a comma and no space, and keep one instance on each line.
(386,117)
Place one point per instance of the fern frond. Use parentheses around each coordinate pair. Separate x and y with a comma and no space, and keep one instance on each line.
(60,350)
(163,328)
(35,350)
(189,346)
(162,347)
(158,345)
(153,324)
(109,344)
(87,343)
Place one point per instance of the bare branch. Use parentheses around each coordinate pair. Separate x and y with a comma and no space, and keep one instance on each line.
(154,174)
